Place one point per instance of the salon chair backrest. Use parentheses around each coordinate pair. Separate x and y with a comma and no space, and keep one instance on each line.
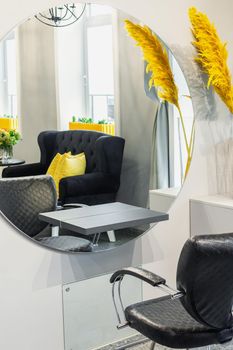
(205,275)
(23,198)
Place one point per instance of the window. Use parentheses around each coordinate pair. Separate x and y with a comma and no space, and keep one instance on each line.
(11,76)
(85,56)
(99,69)
(8,76)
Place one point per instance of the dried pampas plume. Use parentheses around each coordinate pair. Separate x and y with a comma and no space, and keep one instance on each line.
(161,74)
(157,62)
(212,56)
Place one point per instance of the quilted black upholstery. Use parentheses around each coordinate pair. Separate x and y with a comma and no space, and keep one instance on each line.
(144,275)
(205,274)
(103,153)
(21,201)
(67,243)
(166,322)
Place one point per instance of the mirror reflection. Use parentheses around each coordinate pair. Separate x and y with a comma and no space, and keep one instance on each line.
(100,148)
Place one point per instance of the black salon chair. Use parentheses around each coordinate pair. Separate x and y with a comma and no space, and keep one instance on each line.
(104,154)
(21,201)
(199,312)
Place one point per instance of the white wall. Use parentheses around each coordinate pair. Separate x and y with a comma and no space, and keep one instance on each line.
(31,276)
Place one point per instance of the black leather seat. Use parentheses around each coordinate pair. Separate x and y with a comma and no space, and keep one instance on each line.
(199,313)
(104,154)
(21,201)
(166,322)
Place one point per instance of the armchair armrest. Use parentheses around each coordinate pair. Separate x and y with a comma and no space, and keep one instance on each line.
(24,170)
(144,275)
(87,184)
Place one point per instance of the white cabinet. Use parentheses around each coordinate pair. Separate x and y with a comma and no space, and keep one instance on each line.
(211,215)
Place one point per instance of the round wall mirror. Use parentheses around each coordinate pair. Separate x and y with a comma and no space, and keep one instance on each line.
(91,157)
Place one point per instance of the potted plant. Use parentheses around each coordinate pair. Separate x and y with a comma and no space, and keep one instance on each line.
(88,124)
(8,138)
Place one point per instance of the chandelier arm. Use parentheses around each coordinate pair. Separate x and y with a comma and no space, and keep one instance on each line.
(84,7)
(41,14)
(51,13)
(63,18)
(68,18)
(72,14)
(56,26)
(47,24)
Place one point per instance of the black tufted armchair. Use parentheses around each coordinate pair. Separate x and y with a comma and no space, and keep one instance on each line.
(103,153)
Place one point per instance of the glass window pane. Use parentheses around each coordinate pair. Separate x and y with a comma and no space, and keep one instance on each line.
(100,60)
(100,108)
(110,103)
(11,66)
(13,105)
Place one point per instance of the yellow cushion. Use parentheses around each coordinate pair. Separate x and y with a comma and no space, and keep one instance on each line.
(53,165)
(69,165)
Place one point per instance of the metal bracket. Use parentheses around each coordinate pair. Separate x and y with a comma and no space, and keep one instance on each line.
(121,324)
(174,293)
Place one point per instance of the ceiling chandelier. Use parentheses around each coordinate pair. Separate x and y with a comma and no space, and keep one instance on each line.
(62,16)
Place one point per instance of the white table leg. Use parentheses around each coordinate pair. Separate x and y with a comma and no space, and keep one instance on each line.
(55,231)
(111,236)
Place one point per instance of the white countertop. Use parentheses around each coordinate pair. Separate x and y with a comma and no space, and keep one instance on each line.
(168,192)
(215,200)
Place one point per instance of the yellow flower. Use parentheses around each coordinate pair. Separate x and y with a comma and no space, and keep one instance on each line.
(212,56)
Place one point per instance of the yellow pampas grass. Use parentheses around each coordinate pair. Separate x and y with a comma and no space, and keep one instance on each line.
(161,74)
(157,62)
(212,56)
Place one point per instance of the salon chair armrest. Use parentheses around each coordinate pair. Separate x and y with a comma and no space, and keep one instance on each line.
(144,275)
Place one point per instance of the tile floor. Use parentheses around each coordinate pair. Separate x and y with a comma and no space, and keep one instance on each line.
(147,345)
